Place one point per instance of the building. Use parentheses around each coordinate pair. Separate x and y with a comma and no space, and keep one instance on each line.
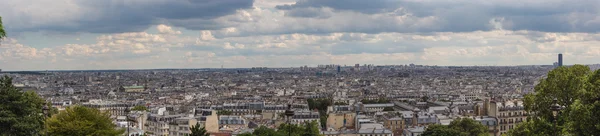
(132,89)
(395,124)
(339,120)
(232,123)
(373,129)
(209,120)
(305,116)
(414,131)
(507,115)
(158,125)
(114,108)
(560,60)
(138,119)
(491,123)
(181,126)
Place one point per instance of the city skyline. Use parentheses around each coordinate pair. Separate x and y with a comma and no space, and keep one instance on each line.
(99,35)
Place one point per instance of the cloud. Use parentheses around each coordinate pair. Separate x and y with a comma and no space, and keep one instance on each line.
(455,15)
(165,49)
(164,29)
(115,16)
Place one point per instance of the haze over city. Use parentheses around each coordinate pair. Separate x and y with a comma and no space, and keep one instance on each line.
(141,34)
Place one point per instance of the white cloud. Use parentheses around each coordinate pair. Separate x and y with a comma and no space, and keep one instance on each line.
(165,50)
(164,29)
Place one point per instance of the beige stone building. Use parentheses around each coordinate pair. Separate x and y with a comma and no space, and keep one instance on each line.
(335,121)
(396,124)
(508,114)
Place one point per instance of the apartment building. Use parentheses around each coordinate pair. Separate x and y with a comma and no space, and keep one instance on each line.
(181,126)
(338,120)
(507,113)
(395,124)
(304,116)
(158,125)
(113,107)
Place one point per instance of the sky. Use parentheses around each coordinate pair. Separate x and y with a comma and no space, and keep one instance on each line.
(151,34)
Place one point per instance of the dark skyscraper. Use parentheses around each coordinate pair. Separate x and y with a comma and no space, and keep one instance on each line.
(560,62)
(339,69)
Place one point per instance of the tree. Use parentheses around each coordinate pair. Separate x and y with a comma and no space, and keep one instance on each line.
(139,108)
(224,112)
(264,131)
(388,109)
(425,98)
(20,112)
(198,131)
(2,32)
(441,130)
(246,134)
(469,126)
(81,121)
(532,128)
(308,129)
(458,127)
(311,129)
(321,105)
(285,129)
(576,88)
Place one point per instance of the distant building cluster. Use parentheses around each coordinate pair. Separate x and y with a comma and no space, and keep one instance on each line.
(360,100)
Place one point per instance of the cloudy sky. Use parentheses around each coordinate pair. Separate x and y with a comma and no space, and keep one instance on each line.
(144,34)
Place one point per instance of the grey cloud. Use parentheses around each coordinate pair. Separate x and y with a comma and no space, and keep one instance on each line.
(115,16)
(309,13)
(365,6)
(467,15)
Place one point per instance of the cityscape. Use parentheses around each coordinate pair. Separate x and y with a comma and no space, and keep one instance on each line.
(364,99)
(299,68)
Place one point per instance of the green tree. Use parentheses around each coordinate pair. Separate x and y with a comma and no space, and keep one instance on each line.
(81,121)
(2,32)
(425,98)
(532,128)
(576,88)
(441,130)
(458,127)
(224,112)
(469,126)
(285,129)
(308,129)
(246,134)
(139,108)
(20,112)
(311,129)
(321,105)
(388,109)
(198,131)
(264,131)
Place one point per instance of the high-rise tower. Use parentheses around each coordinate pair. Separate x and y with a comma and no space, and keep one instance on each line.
(560,60)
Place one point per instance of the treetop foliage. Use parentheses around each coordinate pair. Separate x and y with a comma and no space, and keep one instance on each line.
(577,90)
(458,127)
(81,121)
(307,129)
(20,112)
